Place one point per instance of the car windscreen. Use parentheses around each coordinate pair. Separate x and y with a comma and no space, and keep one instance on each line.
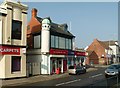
(79,67)
(114,67)
(71,67)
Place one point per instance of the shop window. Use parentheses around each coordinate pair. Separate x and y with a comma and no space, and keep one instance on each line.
(16,29)
(16,63)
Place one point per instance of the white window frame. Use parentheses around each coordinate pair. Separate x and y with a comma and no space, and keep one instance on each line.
(1,26)
(37,42)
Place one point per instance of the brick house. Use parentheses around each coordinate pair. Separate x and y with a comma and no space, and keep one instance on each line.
(50,46)
(34,26)
(101,52)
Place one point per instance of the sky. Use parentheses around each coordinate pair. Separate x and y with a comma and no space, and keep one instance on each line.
(86,20)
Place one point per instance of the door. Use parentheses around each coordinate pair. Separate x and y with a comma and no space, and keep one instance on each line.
(29,69)
(64,65)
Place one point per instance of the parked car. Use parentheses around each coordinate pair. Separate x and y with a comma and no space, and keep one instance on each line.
(112,70)
(76,69)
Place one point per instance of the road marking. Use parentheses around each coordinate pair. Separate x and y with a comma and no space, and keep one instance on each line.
(67,82)
(95,75)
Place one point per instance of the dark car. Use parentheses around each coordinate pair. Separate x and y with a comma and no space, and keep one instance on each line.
(112,70)
(76,69)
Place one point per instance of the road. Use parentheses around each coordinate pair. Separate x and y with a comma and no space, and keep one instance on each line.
(74,80)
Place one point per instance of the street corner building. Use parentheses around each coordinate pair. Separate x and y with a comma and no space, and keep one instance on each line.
(50,46)
(103,52)
(13,23)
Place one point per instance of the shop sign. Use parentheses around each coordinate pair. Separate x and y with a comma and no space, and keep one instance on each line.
(7,50)
(71,52)
(24,50)
(108,56)
(77,53)
(58,52)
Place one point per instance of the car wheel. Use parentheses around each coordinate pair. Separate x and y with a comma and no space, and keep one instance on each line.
(85,71)
(106,76)
(77,73)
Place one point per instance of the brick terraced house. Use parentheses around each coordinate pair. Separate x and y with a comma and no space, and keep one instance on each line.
(103,52)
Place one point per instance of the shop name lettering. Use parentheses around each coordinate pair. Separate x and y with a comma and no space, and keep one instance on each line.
(9,50)
(59,52)
(80,53)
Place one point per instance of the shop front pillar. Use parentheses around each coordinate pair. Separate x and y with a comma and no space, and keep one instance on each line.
(45,65)
(62,66)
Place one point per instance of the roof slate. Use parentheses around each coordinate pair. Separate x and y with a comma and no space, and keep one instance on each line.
(106,44)
(59,28)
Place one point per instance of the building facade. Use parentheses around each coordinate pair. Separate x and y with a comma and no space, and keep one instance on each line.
(50,46)
(102,52)
(13,18)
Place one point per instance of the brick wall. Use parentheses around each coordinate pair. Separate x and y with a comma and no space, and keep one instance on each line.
(33,26)
(98,51)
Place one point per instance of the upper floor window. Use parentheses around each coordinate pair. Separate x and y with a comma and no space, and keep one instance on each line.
(37,41)
(56,42)
(52,41)
(16,29)
(61,42)
(28,27)
(70,44)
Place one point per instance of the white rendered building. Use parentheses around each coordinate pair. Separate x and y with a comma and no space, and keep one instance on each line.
(13,19)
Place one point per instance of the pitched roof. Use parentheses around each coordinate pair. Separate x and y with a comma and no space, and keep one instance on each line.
(89,52)
(110,42)
(59,28)
(106,44)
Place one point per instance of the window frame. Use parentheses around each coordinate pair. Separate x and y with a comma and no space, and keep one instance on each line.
(13,63)
(13,33)
(39,41)
(67,41)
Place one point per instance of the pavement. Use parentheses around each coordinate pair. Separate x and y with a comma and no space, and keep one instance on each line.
(38,78)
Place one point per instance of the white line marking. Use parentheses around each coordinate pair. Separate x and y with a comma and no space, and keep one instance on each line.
(59,84)
(67,82)
(95,75)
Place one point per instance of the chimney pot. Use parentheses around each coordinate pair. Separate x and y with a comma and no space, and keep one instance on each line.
(34,12)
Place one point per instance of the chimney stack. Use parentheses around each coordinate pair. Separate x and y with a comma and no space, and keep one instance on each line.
(34,12)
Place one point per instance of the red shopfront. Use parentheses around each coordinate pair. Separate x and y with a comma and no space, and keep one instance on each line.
(58,60)
(75,58)
(62,58)
(80,57)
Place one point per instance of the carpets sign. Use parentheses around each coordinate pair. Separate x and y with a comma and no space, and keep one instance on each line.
(7,50)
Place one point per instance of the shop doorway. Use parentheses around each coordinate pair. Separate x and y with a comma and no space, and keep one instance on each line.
(53,66)
(59,64)
(64,65)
